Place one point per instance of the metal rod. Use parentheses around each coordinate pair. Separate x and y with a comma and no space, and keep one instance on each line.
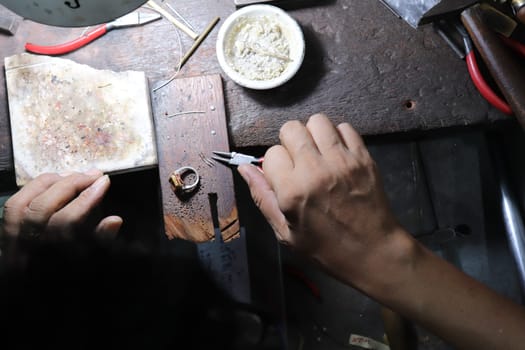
(180,16)
(515,230)
(512,219)
(173,20)
(199,40)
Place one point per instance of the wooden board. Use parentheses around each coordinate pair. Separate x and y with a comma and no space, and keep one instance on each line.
(190,120)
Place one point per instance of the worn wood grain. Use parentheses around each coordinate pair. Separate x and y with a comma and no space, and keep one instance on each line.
(190,121)
(362,65)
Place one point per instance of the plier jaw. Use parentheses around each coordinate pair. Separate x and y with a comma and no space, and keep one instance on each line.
(133,19)
(236,158)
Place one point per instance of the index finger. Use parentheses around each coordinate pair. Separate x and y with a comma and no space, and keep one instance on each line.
(277,165)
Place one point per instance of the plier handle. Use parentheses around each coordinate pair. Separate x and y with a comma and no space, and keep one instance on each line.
(236,158)
(477,78)
(129,20)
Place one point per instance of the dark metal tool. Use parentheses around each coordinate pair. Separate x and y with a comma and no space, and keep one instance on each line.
(446,31)
(226,262)
(8,25)
(512,218)
(519,9)
(415,12)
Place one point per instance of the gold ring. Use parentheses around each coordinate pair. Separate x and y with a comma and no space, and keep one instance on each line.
(178,177)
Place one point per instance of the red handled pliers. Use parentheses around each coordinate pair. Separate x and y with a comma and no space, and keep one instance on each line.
(129,20)
(484,89)
(475,74)
(235,158)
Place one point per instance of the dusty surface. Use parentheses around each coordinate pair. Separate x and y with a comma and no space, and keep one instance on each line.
(70,117)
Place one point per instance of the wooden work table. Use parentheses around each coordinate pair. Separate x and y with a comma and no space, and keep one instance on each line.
(362,65)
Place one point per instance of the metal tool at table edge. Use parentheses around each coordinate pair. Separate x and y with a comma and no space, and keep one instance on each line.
(504,66)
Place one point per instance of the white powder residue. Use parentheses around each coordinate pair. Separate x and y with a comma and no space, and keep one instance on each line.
(257,48)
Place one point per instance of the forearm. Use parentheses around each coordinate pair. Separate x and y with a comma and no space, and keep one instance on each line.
(430,291)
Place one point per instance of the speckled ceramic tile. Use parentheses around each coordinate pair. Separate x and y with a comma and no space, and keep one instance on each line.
(71,117)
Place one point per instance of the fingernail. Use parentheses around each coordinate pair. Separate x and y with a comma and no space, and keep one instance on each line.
(109,227)
(101,182)
(113,224)
(66,173)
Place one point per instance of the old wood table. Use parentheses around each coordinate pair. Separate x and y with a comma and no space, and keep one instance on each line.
(362,65)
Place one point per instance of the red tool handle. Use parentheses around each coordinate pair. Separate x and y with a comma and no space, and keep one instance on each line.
(514,45)
(482,86)
(69,46)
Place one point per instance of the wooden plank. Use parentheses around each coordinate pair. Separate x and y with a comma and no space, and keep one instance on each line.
(190,120)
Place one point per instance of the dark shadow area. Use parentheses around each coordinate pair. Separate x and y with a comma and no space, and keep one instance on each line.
(263,252)
(135,196)
(89,294)
(7,182)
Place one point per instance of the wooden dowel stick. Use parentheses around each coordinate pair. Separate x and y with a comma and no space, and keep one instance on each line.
(198,41)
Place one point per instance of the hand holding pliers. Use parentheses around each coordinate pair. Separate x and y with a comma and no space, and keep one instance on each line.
(129,20)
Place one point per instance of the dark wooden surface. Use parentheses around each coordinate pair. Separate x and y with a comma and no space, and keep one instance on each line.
(363,65)
(189,128)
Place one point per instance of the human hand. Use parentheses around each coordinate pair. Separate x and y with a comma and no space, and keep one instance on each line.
(322,195)
(58,206)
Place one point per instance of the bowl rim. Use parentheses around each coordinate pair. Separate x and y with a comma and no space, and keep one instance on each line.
(290,71)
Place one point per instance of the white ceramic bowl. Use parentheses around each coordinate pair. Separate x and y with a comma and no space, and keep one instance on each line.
(268,16)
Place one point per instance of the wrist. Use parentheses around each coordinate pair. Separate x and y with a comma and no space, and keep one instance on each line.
(391,266)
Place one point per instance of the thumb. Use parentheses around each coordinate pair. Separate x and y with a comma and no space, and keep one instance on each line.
(265,200)
(109,227)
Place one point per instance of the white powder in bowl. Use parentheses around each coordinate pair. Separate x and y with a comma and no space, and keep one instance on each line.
(257,48)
